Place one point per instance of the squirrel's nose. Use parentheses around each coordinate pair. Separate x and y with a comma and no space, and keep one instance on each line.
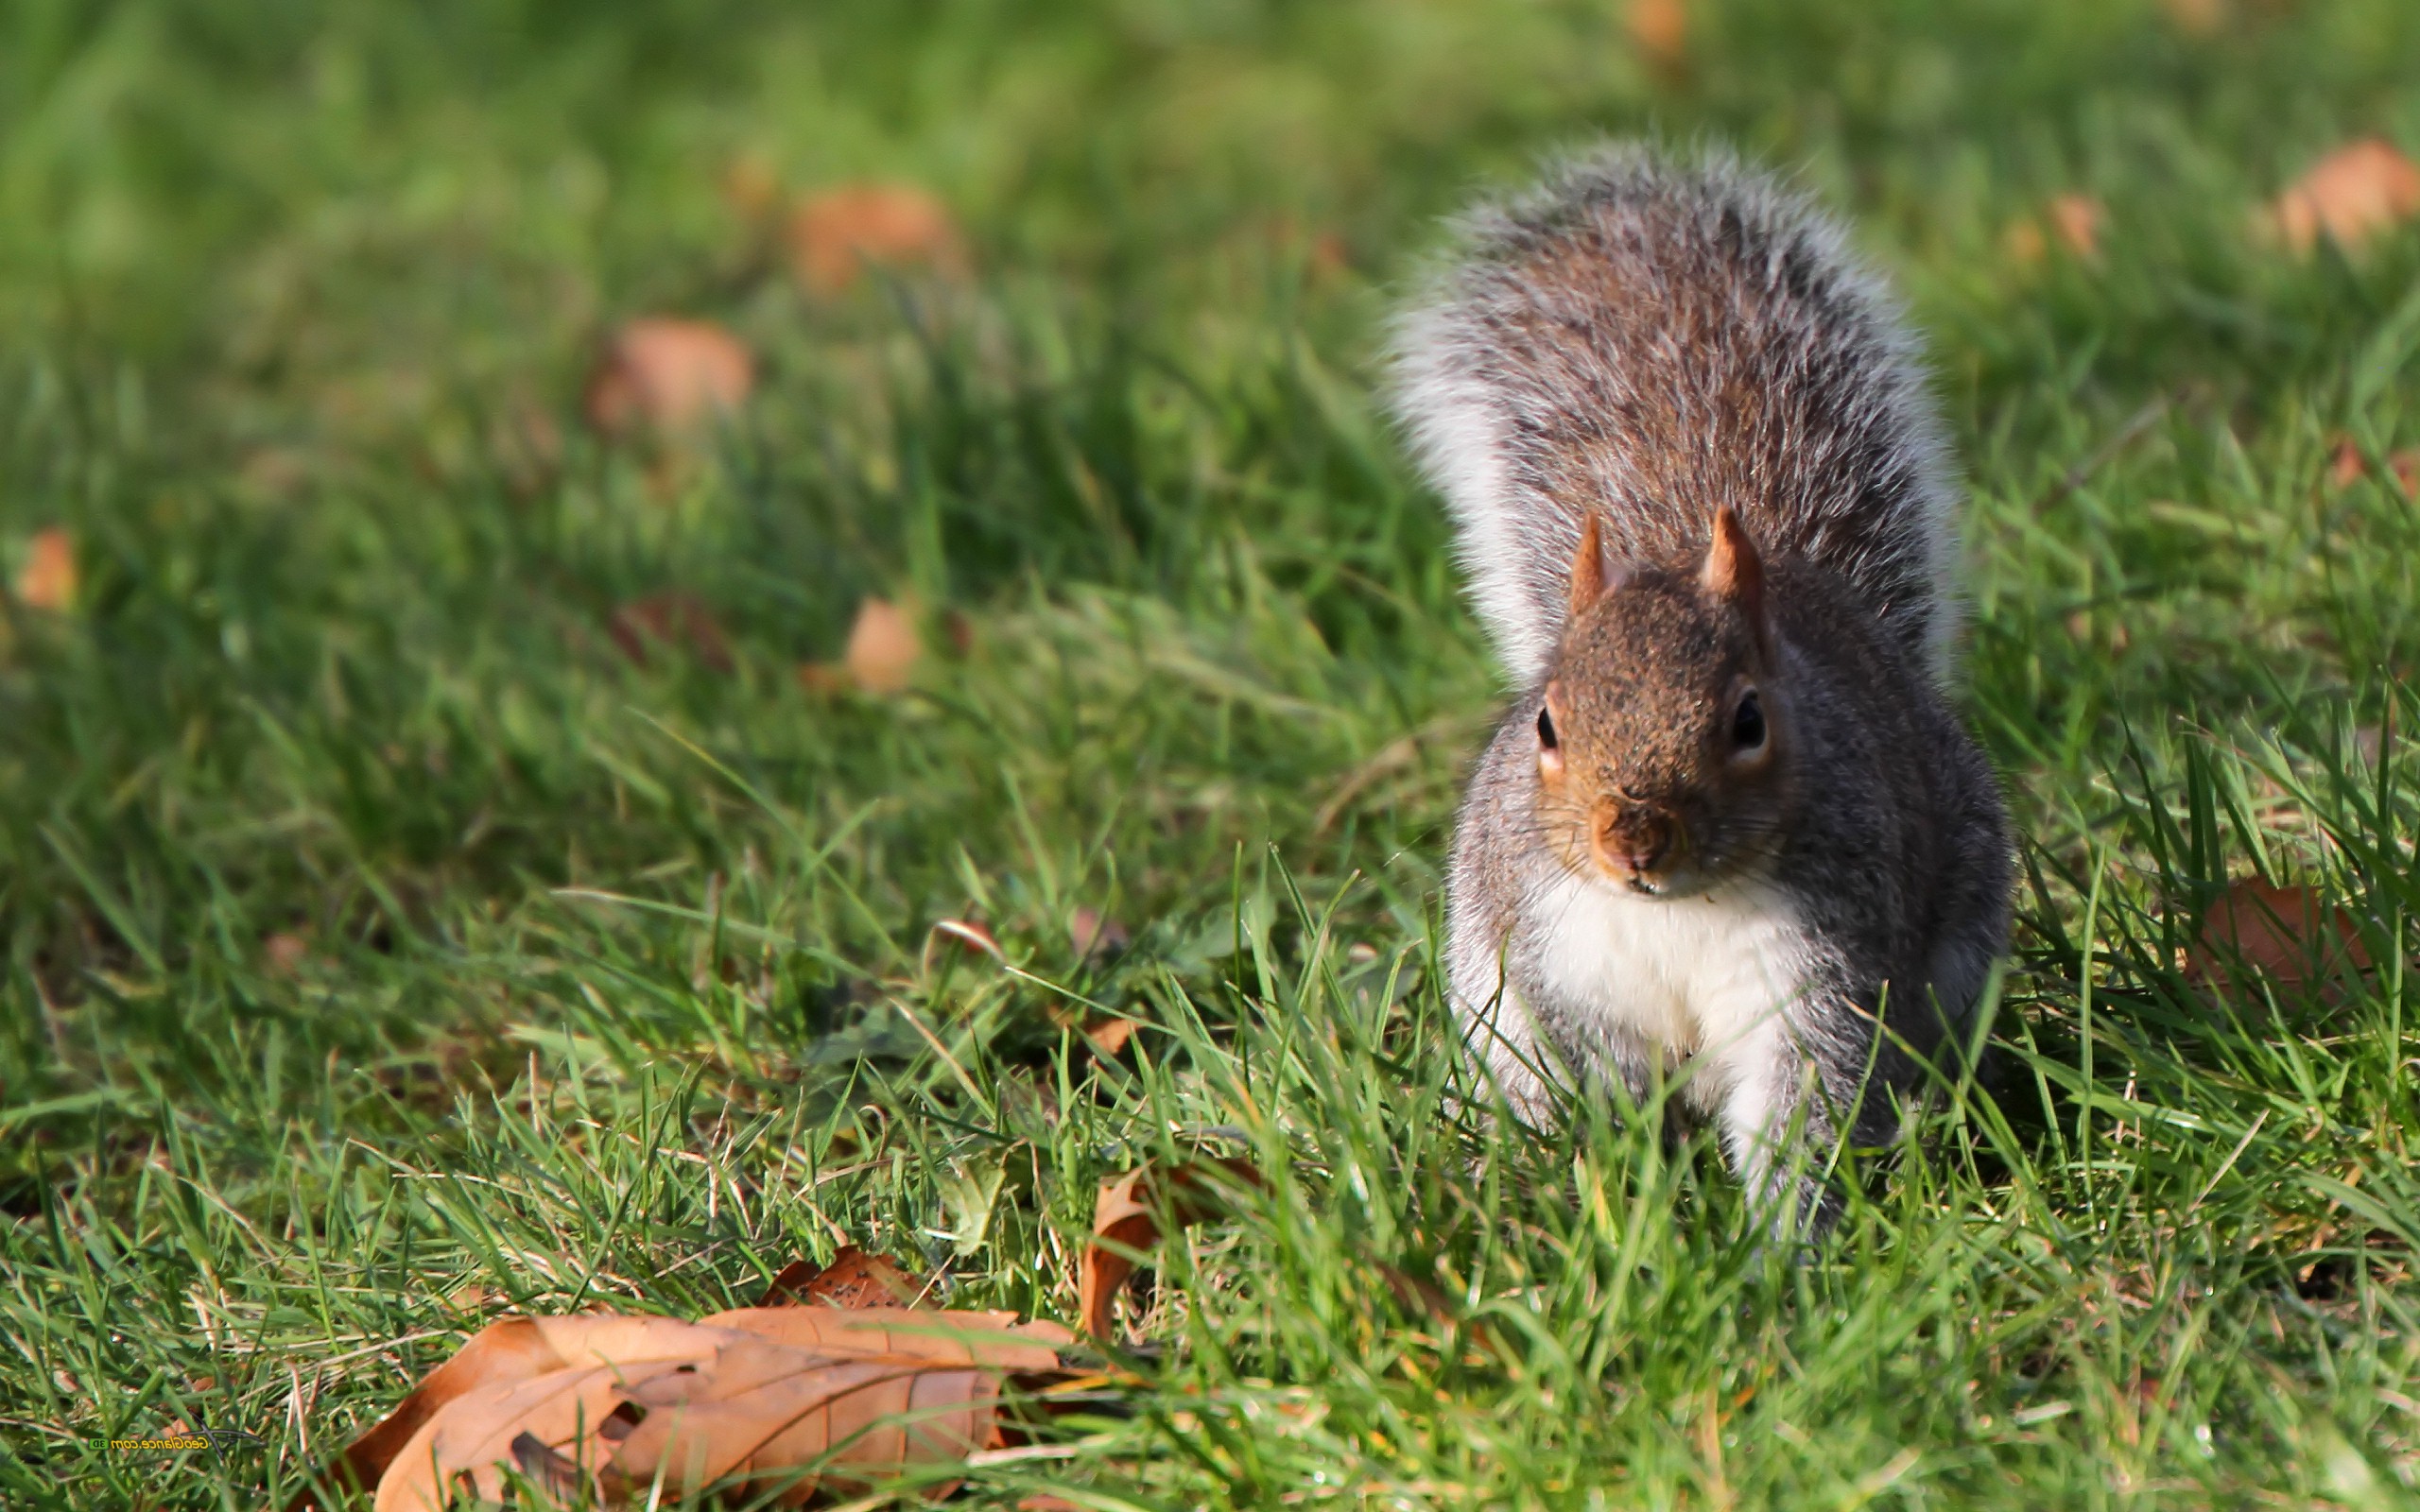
(1632,842)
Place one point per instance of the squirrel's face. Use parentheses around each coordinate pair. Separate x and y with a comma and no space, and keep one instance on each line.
(1662,742)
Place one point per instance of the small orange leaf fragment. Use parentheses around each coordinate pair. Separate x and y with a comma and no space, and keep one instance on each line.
(2077,219)
(285,953)
(669,377)
(47,579)
(837,235)
(882,647)
(1661,28)
(1089,932)
(2346,467)
(2286,934)
(2355,192)
(1127,1215)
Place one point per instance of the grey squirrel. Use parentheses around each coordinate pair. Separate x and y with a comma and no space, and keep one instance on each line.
(1730,825)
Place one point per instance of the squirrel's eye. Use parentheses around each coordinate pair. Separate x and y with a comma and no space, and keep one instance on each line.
(1748,722)
(1546,731)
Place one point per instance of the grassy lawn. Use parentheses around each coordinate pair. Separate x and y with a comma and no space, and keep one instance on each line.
(387,949)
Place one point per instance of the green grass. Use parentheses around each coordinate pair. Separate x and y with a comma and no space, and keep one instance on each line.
(617,984)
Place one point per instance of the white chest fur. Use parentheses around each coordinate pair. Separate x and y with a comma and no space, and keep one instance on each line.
(1678,978)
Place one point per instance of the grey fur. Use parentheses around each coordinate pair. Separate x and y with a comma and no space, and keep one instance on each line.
(1649,340)
(1520,388)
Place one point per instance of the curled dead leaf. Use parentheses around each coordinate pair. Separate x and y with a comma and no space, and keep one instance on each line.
(838,234)
(2349,195)
(854,1279)
(673,618)
(793,1400)
(668,376)
(1126,1222)
(47,579)
(2287,934)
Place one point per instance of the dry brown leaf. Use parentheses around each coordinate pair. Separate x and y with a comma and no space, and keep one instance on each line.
(671,618)
(2346,467)
(2405,464)
(607,1405)
(1661,28)
(669,377)
(2286,934)
(47,579)
(838,234)
(854,1279)
(509,1350)
(285,953)
(2196,18)
(2077,219)
(1127,1214)
(2349,195)
(882,647)
(1109,1035)
(1091,931)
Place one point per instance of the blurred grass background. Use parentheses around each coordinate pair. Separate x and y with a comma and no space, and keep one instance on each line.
(387,949)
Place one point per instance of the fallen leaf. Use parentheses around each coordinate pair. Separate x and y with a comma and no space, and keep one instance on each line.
(854,1279)
(668,376)
(2196,18)
(1090,932)
(2077,219)
(1127,1215)
(2287,935)
(1661,28)
(507,1350)
(2405,465)
(47,579)
(838,234)
(285,953)
(2346,467)
(669,618)
(882,647)
(608,1405)
(2350,194)
(1109,1035)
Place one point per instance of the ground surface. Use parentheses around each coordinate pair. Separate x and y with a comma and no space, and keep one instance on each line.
(386,949)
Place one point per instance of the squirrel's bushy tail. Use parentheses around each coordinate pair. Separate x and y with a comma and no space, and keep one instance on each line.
(1652,337)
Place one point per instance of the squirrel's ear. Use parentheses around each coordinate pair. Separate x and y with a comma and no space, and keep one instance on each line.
(1590,577)
(1733,570)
